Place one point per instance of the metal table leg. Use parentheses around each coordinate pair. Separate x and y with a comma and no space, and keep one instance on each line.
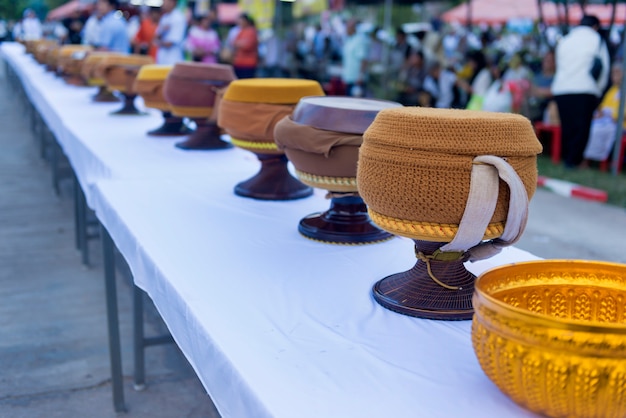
(81,223)
(138,347)
(55,151)
(140,341)
(77,192)
(115,350)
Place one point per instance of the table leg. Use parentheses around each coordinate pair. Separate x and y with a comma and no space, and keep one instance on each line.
(82,225)
(115,350)
(140,340)
(138,346)
(77,191)
(54,163)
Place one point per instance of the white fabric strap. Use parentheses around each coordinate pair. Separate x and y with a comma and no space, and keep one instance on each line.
(481,203)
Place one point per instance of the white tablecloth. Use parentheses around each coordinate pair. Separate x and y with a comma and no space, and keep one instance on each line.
(100,145)
(274,325)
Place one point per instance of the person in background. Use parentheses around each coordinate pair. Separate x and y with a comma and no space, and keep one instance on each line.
(133,22)
(246,48)
(228,46)
(91,30)
(112,32)
(412,79)
(499,95)
(516,69)
(604,124)
(203,42)
(170,34)
(518,78)
(16,31)
(354,61)
(143,42)
(576,92)
(440,84)
(31,29)
(475,83)
(74,25)
(540,88)
(278,54)
(4,31)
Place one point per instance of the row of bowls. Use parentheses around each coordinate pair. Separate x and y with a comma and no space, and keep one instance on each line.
(550,334)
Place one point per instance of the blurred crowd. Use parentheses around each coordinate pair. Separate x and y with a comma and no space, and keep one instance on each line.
(542,74)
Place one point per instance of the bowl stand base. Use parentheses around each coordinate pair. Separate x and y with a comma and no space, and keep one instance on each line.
(346,222)
(415,293)
(206,137)
(273,181)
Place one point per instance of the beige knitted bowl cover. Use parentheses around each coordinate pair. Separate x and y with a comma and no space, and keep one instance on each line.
(415,167)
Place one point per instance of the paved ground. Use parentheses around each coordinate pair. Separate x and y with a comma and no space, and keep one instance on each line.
(53,347)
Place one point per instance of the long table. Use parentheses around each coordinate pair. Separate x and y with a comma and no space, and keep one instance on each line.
(274,325)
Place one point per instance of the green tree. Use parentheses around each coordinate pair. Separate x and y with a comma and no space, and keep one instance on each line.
(12,9)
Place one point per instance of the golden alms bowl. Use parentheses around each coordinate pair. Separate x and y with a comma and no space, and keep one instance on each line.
(552,335)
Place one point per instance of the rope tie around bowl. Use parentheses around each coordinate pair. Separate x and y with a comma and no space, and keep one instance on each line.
(481,203)
(439,256)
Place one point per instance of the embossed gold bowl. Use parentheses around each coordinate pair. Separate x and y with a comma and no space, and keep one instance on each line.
(552,335)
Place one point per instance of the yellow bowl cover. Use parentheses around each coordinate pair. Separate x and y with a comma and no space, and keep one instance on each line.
(272,90)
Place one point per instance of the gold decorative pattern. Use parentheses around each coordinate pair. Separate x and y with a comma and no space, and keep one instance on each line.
(326,182)
(552,335)
(426,230)
(254,145)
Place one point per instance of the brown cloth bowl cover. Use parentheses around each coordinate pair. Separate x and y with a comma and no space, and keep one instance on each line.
(114,70)
(415,165)
(251,108)
(192,88)
(43,49)
(89,67)
(70,57)
(322,138)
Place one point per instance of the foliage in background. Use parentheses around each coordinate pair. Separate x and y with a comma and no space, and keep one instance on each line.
(13,9)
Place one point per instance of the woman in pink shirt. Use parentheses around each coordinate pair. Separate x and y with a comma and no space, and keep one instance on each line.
(203,42)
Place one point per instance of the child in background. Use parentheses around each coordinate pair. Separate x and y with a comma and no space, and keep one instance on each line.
(604,123)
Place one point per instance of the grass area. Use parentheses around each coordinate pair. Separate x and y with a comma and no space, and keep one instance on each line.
(615,186)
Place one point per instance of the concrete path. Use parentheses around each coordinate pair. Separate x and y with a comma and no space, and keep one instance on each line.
(562,227)
(53,342)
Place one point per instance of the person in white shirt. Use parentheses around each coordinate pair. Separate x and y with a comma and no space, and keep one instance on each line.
(3,30)
(354,60)
(575,91)
(170,34)
(91,30)
(439,84)
(31,26)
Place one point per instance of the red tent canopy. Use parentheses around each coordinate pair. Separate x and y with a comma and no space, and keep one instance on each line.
(67,9)
(500,11)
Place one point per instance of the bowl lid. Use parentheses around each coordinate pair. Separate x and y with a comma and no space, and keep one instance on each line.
(154,72)
(340,114)
(222,73)
(272,90)
(454,131)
